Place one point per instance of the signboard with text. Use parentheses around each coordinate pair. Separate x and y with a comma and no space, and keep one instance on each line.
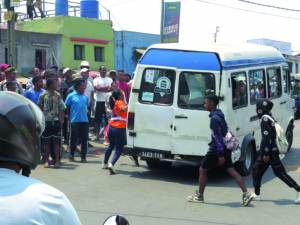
(171,22)
(282,47)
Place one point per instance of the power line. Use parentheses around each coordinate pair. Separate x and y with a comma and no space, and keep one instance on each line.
(249,10)
(270,6)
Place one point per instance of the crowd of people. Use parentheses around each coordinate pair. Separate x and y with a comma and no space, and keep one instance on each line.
(71,102)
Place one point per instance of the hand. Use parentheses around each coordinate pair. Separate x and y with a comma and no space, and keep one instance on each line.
(222,160)
(266,158)
(88,112)
(93,111)
(67,116)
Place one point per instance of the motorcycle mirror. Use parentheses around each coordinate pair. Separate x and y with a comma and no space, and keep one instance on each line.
(116,220)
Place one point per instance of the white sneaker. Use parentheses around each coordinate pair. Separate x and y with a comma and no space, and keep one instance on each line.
(256,197)
(297,201)
(104,166)
(111,169)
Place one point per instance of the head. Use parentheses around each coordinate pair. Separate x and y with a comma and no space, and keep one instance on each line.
(53,75)
(85,73)
(80,85)
(260,86)
(38,82)
(114,85)
(127,77)
(51,84)
(211,102)
(85,64)
(115,95)
(68,73)
(35,72)
(263,107)
(102,71)
(121,76)
(22,146)
(113,75)
(47,74)
(11,85)
(54,68)
(2,76)
(10,73)
(242,90)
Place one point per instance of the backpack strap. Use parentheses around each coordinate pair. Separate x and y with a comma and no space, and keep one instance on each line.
(269,117)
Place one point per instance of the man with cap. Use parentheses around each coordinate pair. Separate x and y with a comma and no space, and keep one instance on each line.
(11,75)
(25,200)
(85,64)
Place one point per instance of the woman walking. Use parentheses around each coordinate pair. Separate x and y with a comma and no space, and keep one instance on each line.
(116,130)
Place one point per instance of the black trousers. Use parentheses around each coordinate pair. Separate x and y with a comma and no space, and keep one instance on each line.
(79,130)
(260,167)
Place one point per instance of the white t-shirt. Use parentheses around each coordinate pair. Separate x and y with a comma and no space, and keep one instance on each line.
(27,201)
(106,81)
(89,88)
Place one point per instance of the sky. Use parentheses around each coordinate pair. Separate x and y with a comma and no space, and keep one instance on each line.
(199,19)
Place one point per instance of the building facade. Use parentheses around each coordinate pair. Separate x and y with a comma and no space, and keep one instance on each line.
(82,39)
(129,47)
(31,49)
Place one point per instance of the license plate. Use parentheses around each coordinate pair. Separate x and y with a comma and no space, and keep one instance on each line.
(152,155)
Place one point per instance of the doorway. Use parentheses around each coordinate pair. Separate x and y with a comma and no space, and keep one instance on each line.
(40,59)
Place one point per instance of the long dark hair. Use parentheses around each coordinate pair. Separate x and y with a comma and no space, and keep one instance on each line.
(114,96)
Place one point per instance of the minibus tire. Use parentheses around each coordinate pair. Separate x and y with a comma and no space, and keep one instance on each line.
(244,167)
(289,136)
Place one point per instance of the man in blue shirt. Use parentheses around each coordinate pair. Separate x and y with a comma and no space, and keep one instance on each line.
(33,94)
(77,108)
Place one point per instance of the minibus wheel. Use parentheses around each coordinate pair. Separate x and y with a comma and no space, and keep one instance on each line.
(289,136)
(244,167)
(152,164)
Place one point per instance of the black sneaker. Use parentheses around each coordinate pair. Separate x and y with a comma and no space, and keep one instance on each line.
(247,198)
(197,199)
(90,145)
(134,160)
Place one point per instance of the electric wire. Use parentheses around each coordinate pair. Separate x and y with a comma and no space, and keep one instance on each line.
(293,18)
(270,6)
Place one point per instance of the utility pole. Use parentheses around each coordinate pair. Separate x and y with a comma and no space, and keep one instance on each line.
(11,48)
(217,30)
(162,21)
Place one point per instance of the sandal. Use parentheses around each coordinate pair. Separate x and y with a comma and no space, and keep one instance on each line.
(46,165)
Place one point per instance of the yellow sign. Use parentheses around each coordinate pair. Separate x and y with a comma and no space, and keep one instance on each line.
(8,16)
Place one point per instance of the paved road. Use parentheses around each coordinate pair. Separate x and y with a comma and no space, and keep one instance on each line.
(158,196)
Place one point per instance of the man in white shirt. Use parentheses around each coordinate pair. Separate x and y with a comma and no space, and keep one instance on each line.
(102,85)
(25,200)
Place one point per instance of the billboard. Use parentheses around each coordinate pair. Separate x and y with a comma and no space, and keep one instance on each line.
(282,47)
(171,22)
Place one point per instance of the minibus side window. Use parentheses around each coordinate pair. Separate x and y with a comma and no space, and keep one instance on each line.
(157,86)
(274,83)
(239,90)
(193,87)
(257,85)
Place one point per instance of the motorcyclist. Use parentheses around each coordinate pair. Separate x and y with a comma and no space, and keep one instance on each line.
(24,200)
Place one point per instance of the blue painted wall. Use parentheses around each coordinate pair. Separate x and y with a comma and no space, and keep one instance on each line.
(125,42)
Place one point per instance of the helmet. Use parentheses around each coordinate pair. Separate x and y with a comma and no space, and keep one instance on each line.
(22,123)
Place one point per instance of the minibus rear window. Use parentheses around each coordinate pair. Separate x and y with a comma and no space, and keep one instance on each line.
(157,86)
(193,87)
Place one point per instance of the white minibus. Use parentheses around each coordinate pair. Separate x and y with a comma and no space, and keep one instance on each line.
(167,121)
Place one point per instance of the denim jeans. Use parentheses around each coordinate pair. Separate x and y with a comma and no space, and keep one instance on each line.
(116,137)
(79,130)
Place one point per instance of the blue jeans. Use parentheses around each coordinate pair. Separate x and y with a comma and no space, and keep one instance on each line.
(116,137)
